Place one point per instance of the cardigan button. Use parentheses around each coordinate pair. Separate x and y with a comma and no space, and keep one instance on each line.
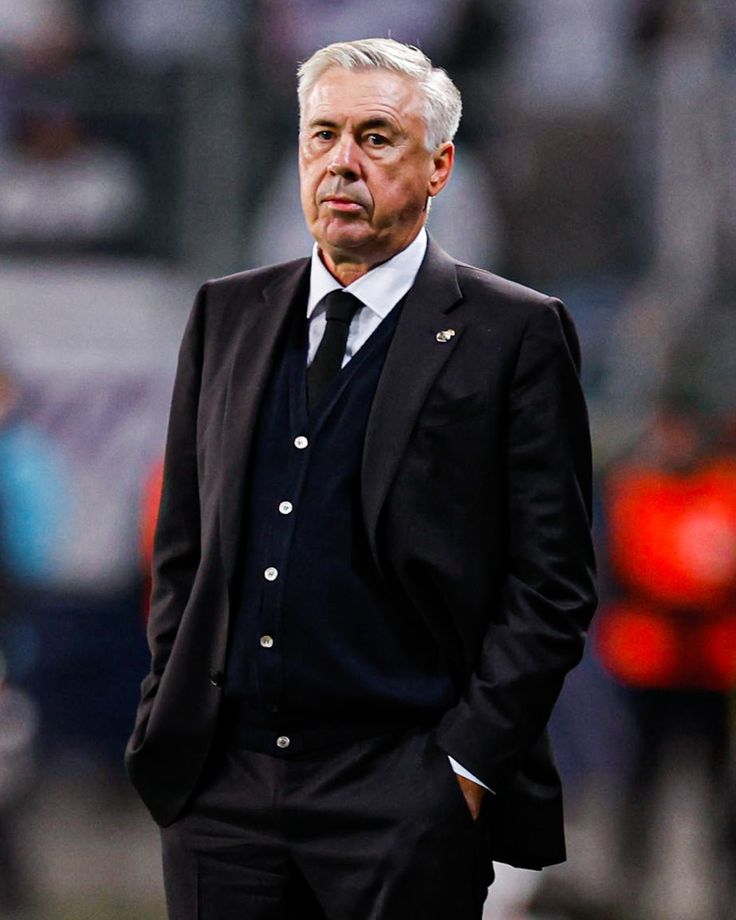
(217,678)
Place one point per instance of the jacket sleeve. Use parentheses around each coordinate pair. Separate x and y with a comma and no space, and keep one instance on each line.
(548,594)
(176,551)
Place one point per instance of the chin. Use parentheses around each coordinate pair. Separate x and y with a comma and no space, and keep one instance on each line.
(343,239)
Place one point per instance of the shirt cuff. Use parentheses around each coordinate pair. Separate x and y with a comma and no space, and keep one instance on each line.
(461,771)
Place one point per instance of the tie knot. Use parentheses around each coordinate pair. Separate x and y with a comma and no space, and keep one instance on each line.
(341,306)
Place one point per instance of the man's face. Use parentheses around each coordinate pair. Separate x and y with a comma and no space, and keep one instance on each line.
(364,167)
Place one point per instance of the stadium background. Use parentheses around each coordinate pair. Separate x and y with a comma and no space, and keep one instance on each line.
(148,144)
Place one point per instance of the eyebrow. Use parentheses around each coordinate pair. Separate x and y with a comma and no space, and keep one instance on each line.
(376,122)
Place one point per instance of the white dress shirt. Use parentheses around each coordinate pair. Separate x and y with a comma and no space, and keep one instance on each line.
(379,290)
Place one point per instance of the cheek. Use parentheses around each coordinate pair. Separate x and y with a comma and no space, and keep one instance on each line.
(307,188)
(401,195)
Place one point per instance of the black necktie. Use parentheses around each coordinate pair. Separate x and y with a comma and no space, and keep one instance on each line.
(341,308)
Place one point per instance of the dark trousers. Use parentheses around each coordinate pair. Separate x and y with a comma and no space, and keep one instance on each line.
(375,829)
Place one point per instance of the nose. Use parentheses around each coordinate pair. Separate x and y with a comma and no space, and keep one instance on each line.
(345,160)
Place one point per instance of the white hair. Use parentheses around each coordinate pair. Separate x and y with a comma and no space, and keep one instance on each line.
(442,102)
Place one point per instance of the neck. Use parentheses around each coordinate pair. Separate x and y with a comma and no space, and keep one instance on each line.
(346,272)
(348,267)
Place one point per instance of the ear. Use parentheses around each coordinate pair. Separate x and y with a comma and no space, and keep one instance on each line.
(442,161)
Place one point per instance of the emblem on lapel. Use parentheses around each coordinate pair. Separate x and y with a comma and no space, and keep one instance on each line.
(444,335)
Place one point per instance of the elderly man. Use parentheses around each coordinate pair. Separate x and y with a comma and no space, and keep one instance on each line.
(373,564)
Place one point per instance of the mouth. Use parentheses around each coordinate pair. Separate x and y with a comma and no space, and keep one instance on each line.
(341,203)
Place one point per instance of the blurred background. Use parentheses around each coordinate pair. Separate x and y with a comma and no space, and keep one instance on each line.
(146,145)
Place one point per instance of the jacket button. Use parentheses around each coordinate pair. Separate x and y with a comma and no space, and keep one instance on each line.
(217,678)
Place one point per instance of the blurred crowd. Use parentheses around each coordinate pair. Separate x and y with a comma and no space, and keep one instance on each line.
(148,144)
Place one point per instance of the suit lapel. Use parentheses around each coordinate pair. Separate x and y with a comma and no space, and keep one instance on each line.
(414,359)
(259,332)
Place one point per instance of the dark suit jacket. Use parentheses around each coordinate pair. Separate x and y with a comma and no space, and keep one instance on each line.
(476,497)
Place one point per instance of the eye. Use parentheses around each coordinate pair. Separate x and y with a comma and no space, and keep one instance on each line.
(325,134)
(376,140)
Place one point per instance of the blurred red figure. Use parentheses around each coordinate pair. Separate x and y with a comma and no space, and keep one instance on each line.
(669,637)
(672,545)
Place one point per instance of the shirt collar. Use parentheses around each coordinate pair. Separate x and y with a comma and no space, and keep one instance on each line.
(381,288)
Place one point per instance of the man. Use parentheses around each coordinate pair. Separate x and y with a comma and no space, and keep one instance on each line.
(373,564)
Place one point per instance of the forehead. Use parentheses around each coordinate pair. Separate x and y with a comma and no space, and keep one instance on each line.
(341,94)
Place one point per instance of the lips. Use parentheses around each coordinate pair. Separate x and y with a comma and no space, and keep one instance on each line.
(345,200)
(341,203)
